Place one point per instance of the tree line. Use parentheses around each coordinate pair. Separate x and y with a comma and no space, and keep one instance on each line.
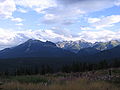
(67,68)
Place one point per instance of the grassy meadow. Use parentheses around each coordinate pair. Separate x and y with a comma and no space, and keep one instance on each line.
(97,80)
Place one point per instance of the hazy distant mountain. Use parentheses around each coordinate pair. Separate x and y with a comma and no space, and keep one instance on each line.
(101,51)
(106,45)
(35,48)
(106,54)
(74,46)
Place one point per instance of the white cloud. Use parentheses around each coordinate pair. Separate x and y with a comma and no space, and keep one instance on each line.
(19,24)
(104,35)
(16,19)
(10,38)
(76,6)
(50,19)
(117,2)
(86,28)
(37,5)
(67,9)
(6,38)
(93,20)
(64,9)
(60,31)
(7,7)
(103,22)
(22,10)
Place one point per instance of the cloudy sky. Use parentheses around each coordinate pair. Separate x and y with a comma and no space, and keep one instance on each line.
(57,20)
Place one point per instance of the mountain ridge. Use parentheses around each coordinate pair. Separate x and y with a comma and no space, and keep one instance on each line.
(75,46)
(35,48)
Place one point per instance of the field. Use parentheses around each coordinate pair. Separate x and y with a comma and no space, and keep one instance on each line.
(94,80)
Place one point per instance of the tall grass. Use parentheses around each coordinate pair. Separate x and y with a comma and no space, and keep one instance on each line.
(78,84)
(63,81)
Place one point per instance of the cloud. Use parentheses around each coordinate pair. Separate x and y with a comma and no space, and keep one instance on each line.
(67,9)
(103,22)
(93,20)
(68,22)
(103,35)
(22,10)
(50,19)
(16,19)
(6,38)
(54,19)
(117,2)
(19,24)
(9,38)
(86,5)
(77,5)
(7,7)
(93,5)
(60,31)
(61,10)
(86,28)
(65,12)
(37,5)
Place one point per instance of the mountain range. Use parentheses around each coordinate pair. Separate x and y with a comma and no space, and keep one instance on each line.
(35,48)
(76,46)
(80,49)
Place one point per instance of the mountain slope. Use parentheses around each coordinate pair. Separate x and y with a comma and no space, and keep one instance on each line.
(109,54)
(87,52)
(35,48)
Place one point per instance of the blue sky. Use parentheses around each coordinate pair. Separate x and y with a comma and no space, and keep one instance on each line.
(57,20)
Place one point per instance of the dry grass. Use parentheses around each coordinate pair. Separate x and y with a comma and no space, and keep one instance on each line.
(63,81)
(78,84)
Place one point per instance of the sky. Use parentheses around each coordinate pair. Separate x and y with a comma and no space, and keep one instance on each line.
(58,20)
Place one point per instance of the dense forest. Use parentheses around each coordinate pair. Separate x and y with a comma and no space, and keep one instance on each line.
(26,67)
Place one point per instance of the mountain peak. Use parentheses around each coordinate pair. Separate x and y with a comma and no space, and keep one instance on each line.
(33,40)
(35,48)
(82,40)
(74,46)
(38,43)
(50,43)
